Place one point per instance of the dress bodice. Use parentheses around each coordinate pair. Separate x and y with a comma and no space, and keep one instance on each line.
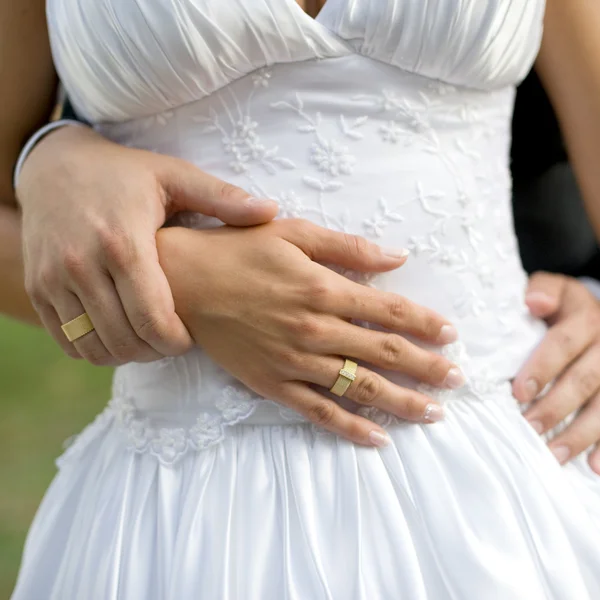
(123,59)
(385,118)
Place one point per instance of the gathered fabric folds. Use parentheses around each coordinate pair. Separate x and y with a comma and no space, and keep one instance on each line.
(474,507)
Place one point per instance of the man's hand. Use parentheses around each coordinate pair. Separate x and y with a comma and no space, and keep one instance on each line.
(91,210)
(569,355)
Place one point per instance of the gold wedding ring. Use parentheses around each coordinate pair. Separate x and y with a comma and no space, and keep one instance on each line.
(78,327)
(345,378)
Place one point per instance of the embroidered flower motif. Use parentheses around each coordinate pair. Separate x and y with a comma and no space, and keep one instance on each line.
(290,205)
(375,226)
(235,402)
(261,77)
(332,158)
(391,132)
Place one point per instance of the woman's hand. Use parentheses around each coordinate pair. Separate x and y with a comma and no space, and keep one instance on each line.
(257,301)
(570,356)
(91,209)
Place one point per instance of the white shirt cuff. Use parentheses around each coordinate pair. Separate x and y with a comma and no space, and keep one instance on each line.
(35,138)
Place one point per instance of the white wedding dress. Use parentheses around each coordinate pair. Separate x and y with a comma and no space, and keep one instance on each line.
(386,118)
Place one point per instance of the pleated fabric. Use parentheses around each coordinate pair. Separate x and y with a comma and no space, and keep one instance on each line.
(474,507)
(123,59)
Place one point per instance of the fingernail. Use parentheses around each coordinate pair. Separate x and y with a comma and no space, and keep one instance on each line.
(595,462)
(396,252)
(379,439)
(538,297)
(448,334)
(531,389)
(252,201)
(561,453)
(538,426)
(433,413)
(455,379)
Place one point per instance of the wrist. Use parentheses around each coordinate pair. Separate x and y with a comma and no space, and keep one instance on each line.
(37,139)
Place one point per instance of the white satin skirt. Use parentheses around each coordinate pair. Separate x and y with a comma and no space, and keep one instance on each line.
(473,508)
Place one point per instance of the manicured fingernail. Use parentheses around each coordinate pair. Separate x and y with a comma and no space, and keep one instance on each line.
(448,335)
(561,453)
(531,389)
(379,439)
(396,252)
(455,379)
(252,201)
(538,426)
(433,413)
(595,462)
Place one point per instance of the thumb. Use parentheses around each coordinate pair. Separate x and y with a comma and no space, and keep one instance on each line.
(544,294)
(188,188)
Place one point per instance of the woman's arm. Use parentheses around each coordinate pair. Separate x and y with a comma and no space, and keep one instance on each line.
(28,86)
(13,298)
(28,82)
(569,66)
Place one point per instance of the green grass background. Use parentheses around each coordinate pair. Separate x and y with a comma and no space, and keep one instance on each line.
(45,398)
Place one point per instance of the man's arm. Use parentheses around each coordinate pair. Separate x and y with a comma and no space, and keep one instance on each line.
(569,66)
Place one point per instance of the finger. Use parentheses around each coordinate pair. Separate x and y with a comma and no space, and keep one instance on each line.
(391,311)
(98,295)
(594,459)
(371,389)
(190,189)
(562,345)
(146,297)
(582,433)
(331,416)
(544,293)
(342,249)
(52,323)
(394,353)
(575,387)
(89,346)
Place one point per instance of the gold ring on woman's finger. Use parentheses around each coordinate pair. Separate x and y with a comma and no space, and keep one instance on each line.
(346,376)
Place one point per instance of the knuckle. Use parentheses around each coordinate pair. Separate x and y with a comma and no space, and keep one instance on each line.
(319,292)
(550,416)
(46,281)
(355,245)
(230,193)
(414,407)
(74,264)
(151,328)
(116,246)
(397,309)
(588,382)
(322,413)
(438,368)
(392,351)
(368,388)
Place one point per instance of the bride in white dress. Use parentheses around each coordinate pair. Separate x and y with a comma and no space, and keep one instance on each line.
(389,119)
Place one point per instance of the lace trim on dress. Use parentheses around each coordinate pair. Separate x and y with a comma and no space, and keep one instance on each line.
(235,404)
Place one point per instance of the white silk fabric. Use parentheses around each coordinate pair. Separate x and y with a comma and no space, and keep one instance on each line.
(385,118)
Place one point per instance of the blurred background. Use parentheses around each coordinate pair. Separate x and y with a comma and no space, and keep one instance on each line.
(45,398)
